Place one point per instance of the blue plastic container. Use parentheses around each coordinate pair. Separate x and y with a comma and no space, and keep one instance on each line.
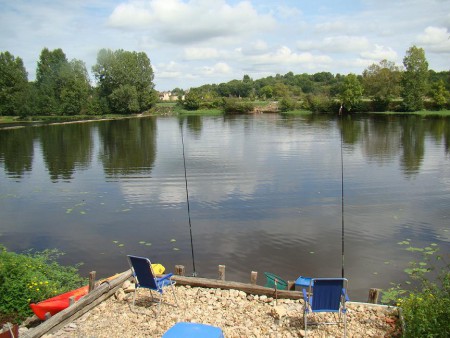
(193,330)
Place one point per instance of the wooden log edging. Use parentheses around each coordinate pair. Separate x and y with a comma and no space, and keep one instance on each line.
(227,285)
(92,299)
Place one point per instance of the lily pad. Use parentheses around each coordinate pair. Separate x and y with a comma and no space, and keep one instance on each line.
(121,244)
(142,242)
(148,244)
(115,242)
(173,240)
(176,249)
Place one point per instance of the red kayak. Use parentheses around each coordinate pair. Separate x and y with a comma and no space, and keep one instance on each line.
(58,303)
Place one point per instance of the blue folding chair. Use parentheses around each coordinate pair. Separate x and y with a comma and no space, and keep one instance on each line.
(141,268)
(326,295)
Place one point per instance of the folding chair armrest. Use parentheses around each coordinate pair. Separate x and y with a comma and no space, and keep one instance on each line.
(344,293)
(305,296)
(164,277)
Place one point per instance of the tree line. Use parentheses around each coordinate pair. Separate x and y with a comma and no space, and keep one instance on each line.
(124,85)
(62,87)
(383,86)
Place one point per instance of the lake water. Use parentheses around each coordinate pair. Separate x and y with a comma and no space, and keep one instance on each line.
(264,192)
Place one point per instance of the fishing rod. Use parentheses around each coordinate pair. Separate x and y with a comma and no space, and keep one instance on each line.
(194,274)
(342,192)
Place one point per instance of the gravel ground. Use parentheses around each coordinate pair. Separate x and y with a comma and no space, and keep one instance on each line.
(236,313)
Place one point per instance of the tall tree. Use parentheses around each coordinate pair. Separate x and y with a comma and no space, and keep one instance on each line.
(125,80)
(382,82)
(13,84)
(414,79)
(48,80)
(75,89)
(351,91)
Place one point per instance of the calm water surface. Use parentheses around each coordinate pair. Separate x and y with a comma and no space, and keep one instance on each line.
(264,191)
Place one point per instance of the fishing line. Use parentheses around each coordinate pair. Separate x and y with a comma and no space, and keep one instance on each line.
(342,194)
(194,274)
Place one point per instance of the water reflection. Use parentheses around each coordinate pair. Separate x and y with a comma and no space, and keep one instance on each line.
(128,146)
(265,192)
(17,151)
(65,148)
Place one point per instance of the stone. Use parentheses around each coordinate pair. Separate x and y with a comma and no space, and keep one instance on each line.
(236,313)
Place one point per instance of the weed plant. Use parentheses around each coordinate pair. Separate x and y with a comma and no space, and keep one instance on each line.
(32,277)
(425,302)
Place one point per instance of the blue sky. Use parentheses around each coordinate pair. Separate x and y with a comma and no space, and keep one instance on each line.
(194,42)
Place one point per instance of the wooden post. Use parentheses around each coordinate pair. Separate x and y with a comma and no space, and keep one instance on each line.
(91,280)
(179,270)
(291,285)
(221,272)
(253,277)
(373,296)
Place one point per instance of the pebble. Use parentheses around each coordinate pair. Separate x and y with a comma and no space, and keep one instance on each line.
(238,315)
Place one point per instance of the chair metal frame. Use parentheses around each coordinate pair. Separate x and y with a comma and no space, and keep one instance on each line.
(144,276)
(332,300)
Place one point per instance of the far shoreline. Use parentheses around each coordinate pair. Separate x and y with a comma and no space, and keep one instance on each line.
(15,122)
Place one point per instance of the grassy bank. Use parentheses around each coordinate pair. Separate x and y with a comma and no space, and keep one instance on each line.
(172,109)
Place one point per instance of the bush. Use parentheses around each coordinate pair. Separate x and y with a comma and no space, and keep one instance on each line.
(427,312)
(287,104)
(233,105)
(321,104)
(32,277)
(425,308)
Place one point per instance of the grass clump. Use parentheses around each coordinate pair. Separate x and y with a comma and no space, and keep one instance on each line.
(32,277)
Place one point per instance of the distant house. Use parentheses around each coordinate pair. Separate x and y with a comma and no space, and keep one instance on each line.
(168,96)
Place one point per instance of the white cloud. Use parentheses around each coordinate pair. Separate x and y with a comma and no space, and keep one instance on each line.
(380,53)
(200,53)
(435,39)
(218,68)
(336,44)
(193,21)
(284,55)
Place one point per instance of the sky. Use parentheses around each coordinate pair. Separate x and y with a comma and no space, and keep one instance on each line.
(196,42)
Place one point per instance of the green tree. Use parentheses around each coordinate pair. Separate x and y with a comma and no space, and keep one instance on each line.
(382,82)
(127,76)
(440,94)
(49,81)
(13,84)
(351,91)
(192,99)
(414,79)
(266,92)
(76,89)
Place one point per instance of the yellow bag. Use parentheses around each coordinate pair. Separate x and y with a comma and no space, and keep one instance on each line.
(158,269)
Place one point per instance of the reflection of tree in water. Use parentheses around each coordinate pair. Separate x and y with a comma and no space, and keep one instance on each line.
(66,147)
(383,137)
(128,146)
(413,144)
(194,124)
(380,140)
(350,128)
(17,150)
(439,129)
